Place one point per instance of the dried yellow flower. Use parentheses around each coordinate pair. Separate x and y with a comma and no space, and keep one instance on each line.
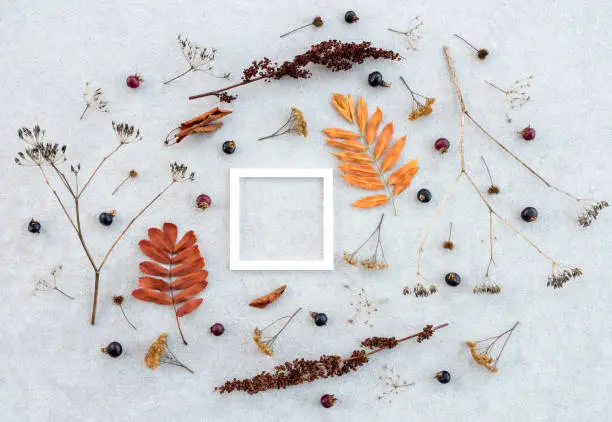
(295,124)
(156,351)
(262,345)
(422,110)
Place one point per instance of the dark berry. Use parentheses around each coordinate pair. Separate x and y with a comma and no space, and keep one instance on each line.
(350,17)
(113,349)
(442,145)
(229,147)
(528,133)
(217,329)
(424,195)
(376,79)
(529,214)
(106,218)
(328,400)
(34,226)
(319,318)
(133,81)
(443,377)
(203,201)
(453,279)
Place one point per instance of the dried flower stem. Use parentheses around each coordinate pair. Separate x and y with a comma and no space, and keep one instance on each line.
(45,285)
(413,33)
(482,353)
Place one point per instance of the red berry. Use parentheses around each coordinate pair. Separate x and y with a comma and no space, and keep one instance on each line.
(328,400)
(217,329)
(442,145)
(133,81)
(528,133)
(203,201)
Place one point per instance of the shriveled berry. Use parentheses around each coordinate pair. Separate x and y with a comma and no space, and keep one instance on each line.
(34,226)
(453,279)
(528,133)
(350,17)
(424,195)
(443,377)
(113,349)
(106,218)
(229,147)
(319,318)
(529,214)
(442,145)
(376,79)
(203,201)
(328,400)
(133,81)
(217,329)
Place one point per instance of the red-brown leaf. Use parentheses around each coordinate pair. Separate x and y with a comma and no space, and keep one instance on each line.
(187,294)
(189,280)
(152,296)
(189,307)
(151,268)
(189,239)
(153,283)
(170,231)
(186,254)
(188,268)
(265,300)
(159,240)
(149,249)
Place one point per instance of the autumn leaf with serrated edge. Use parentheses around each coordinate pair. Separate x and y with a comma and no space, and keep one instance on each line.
(368,155)
(176,274)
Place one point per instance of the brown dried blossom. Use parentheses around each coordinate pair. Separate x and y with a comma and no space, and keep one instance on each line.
(492,189)
(419,108)
(317,22)
(45,285)
(295,124)
(379,342)
(118,300)
(199,59)
(448,244)
(481,53)
(482,350)
(559,277)
(159,353)
(266,343)
(419,290)
(590,214)
(93,100)
(131,175)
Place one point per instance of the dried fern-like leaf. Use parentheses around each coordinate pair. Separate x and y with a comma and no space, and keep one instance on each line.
(371,201)
(180,268)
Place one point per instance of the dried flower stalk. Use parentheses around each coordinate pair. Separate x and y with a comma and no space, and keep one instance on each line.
(159,353)
(44,155)
(301,371)
(482,350)
(131,175)
(413,33)
(419,108)
(516,95)
(45,285)
(294,124)
(266,343)
(118,300)
(198,59)
(93,100)
(393,382)
(316,22)
(373,262)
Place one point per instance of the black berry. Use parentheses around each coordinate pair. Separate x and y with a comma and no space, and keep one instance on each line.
(319,318)
(453,279)
(328,400)
(424,195)
(442,145)
(229,147)
(106,218)
(217,329)
(376,79)
(113,349)
(528,133)
(350,17)
(529,214)
(34,226)
(443,377)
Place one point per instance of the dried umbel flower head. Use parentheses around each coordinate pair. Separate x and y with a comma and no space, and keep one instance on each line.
(413,33)
(51,284)
(38,152)
(295,124)
(374,262)
(266,343)
(487,287)
(516,95)
(419,108)
(159,353)
(590,214)
(316,22)
(198,58)
(481,53)
(126,134)
(179,173)
(419,290)
(393,382)
(559,277)
(492,189)
(482,350)
(364,307)
(94,100)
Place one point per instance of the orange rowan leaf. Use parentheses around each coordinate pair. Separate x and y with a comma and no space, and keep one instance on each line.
(188,239)
(411,167)
(351,107)
(350,145)
(189,280)
(371,201)
(189,307)
(353,157)
(363,183)
(149,249)
(383,140)
(159,239)
(403,183)
(334,132)
(362,114)
(359,169)
(188,268)
(151,268)
(344,106)
(153,283)
(170,231)
(372,128)
(148,295)
(186,254)
(393,154)
(190,292)
(265,300)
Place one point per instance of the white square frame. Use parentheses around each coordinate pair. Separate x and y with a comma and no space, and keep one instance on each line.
(327,263)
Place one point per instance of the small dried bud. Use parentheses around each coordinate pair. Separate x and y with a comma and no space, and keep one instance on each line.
(448,244)
(118,300)
(493,190)
(318,21)
(482,53)
(133,173)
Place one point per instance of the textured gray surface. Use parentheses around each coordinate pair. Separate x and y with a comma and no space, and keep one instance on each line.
(555,367)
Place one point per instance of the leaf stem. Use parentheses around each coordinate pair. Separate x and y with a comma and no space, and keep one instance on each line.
(126,318)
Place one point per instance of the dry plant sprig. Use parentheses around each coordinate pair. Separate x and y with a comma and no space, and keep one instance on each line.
(301,371)
(265,343)
(362,306)
(159,353)
(366,161)
(413,33)
(373,262)
(419,290)
(482,350)
(118,300)
(463,172)
(93,100)
(316,22)
(131,175)
(481,53)
(199,59)
(45,285)
(335,55)
(590,214)
(487,285)
(294,124)
(393,382)
(420,108)
(44,155)
(448,244)
(516,95)
(492,189)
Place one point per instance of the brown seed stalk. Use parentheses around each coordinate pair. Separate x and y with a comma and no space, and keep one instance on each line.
(316,22)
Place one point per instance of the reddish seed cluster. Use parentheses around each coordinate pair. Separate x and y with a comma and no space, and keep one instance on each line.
(224,97)
(335,55)
(297,372)
(425,334)
(379,342)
